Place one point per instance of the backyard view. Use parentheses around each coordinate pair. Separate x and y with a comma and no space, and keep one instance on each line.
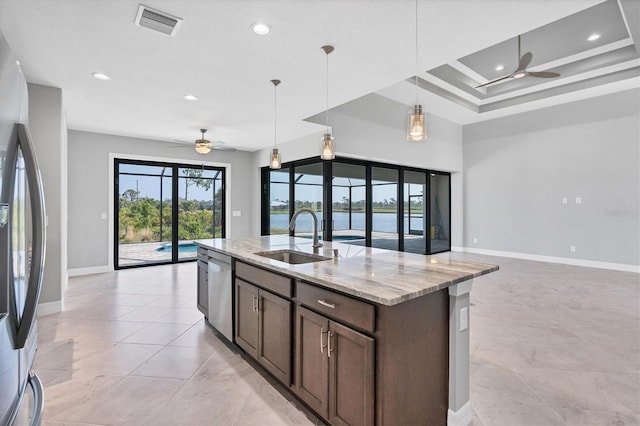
(147,214)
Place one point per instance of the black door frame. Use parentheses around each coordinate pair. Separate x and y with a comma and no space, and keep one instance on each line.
(174,206)
(328,199)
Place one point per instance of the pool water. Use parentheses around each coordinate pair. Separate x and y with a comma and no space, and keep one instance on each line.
(182,248)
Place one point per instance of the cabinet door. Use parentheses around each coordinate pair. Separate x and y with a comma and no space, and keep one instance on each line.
(274,349)
(311,360)
(247,317)
(351,376)
(203,289)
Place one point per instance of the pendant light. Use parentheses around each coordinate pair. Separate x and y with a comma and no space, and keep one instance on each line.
(416,130)
(275,162)
(327,139)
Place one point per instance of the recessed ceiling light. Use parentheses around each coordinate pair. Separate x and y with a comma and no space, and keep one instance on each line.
(499,67)
(100,76)
(191,97)
(261,29)
(594,37)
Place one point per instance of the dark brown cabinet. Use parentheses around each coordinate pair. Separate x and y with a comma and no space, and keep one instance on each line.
(263,328)
(334,369)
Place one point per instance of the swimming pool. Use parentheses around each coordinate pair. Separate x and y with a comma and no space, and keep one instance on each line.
(182,248)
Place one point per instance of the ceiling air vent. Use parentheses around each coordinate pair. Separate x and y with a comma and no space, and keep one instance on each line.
(157,21)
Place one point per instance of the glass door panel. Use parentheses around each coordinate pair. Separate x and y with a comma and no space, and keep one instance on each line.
(144,214)
(415,219)
(308,194)
(440,213)
(162,208)
(349,203)
(384,190)
(279,201)
(199,208)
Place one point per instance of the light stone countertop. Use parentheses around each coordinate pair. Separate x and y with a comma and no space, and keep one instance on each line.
(380,276)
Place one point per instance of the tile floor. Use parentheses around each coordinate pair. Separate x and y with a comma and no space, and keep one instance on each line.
(551,345)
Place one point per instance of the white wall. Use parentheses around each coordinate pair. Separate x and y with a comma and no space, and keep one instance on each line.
(89,195)
(517,170)
(373,128)
(48,129)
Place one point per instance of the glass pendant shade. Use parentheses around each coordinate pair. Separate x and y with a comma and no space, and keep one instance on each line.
(327,147)
(203,147)
(275,159)
(416,130)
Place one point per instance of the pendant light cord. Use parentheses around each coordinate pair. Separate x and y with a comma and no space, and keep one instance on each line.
(416,14)
(327,92)
(275,116)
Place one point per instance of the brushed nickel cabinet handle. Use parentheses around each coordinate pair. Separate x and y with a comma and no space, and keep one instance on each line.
(255,307)
(322,345)
(327,304)
(329,349)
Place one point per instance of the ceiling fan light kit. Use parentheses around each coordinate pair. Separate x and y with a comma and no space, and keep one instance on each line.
(416,130)
(203,146)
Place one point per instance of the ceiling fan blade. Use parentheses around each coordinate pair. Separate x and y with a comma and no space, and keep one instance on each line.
(544,74)
(525,61)
(494,81)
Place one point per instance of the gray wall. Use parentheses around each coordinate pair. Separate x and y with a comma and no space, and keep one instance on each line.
(518,169)
(89,189)
(373,128)
(48,129)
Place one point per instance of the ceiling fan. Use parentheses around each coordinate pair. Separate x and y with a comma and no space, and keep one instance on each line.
(204,146)
(521,71)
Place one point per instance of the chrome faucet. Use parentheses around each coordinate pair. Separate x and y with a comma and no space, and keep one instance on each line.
(292,225)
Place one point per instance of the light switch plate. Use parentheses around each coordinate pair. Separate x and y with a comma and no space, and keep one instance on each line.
(578,200)
(236,213)
(564,200)
(103,216)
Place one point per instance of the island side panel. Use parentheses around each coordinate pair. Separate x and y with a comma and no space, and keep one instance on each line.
(412,361)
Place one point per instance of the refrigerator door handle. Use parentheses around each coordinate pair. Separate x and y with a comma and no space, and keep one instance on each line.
(38,399)
(36,197)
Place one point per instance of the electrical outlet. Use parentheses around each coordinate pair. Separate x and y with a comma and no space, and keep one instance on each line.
(572,248)
(464,318)
(564,200)
(578,200)
(475,241)
(103,216)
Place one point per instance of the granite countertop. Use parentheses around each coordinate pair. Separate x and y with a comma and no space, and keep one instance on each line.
(380,276)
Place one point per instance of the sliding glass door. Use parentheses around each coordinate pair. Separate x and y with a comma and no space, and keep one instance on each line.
(161,208)
(361,202)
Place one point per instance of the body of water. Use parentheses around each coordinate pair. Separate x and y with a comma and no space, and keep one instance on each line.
(382,222)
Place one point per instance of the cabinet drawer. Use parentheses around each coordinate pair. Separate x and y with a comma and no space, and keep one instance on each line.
(343,308)
(268,280)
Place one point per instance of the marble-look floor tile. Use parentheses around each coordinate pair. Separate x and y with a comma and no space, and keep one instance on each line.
(174,362)
(109,399)
(157,334)
(119,359)
(181,316)
(573,389)
(146,314)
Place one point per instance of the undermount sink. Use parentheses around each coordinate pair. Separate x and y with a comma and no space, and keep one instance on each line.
(292,257)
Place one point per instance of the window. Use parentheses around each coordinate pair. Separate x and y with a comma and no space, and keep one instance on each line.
(360,202)
(161,208)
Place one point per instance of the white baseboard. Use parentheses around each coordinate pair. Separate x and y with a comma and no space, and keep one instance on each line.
(49,308)
(88,271)
(564,260)
(462,417)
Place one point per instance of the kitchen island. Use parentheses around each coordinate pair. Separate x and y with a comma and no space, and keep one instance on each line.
(361,336)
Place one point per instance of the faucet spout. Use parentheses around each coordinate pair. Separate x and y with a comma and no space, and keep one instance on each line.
(292,225)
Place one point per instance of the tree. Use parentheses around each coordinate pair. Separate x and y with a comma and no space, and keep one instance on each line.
(130,195)
(194,177)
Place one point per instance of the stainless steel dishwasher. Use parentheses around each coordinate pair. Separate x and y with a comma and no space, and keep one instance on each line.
(220,303)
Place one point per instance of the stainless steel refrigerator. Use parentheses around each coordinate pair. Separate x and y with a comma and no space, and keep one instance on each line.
(22,242)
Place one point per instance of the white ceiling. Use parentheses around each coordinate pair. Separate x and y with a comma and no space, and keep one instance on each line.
(216,56)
